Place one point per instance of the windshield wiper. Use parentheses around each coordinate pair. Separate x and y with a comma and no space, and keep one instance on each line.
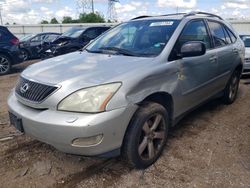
(119,50)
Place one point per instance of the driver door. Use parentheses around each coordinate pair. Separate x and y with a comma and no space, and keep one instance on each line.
(196,74)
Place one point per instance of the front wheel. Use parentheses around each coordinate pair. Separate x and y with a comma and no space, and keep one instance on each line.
(146,135)
(231,90)
(25,54)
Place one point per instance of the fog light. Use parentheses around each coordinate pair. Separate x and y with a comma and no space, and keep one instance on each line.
(87,141)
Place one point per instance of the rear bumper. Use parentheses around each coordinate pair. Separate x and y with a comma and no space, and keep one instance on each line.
(59,129)
(16,55)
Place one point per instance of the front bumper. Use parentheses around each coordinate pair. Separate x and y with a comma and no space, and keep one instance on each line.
(59,128)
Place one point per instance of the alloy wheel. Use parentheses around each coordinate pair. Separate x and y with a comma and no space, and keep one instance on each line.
(4,65)
(25,55)
(233,87)
(152,137)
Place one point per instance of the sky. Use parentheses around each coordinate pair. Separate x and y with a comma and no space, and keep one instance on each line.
(33,11)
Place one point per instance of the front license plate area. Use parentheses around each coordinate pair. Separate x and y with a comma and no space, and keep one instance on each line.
(16,122)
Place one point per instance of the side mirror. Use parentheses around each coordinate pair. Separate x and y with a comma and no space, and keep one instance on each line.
(192,49)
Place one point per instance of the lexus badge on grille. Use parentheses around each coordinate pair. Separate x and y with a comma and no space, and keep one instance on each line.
(24,88)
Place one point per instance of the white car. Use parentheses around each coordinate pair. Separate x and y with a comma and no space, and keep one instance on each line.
(246,40)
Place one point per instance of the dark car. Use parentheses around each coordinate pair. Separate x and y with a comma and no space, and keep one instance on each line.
(9,51)
(30,45)
(75,39)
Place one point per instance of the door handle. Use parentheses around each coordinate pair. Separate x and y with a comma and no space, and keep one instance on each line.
(213,59)
(235,51)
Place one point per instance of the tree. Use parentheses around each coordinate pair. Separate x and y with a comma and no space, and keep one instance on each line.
(54,21)
(91,18)
(68,19)
(44,22)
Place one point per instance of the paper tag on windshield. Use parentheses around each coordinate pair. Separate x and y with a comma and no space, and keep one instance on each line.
(167,23)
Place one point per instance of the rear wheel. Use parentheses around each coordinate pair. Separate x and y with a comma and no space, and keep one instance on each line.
(146,135)
(231,90)
(5,64)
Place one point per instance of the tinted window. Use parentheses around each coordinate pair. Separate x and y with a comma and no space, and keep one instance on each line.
(50,37)
(91,33)
(232,36)
(74,32)
(218,34)
(3,35)
(194,31)
(38,38)
(228,39)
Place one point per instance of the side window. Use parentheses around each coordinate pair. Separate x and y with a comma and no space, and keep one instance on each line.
(232,36)
(91,33)
(36,38)
(194,31)
(50,37)
(218,33)
(228,39)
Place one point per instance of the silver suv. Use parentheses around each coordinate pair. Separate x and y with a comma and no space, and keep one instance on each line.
(122,93)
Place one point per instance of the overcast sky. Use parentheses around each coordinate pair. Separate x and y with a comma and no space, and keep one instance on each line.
(33,11)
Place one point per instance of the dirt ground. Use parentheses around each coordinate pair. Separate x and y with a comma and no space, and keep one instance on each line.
(209,148)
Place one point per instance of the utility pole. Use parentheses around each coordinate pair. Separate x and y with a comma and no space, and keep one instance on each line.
(1,18)
(85,6)
(93,9)
(112,14)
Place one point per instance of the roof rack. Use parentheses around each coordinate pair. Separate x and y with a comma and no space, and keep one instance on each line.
(139,17)
(173,14)
(203,13)
(193,13)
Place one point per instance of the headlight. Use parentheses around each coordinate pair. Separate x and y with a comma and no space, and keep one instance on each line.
(93,99)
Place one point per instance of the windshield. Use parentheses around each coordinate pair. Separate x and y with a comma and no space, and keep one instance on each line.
(27,37)
(246,40)
(145,38)
(74,32)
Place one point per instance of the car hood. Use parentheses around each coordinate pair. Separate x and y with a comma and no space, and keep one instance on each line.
(84,68)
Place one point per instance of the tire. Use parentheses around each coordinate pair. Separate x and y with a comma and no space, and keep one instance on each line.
(25,54)
(144,142)
(231,90)
(5,64)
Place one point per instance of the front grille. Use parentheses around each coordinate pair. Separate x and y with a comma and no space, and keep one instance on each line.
(247,60)
(33,91)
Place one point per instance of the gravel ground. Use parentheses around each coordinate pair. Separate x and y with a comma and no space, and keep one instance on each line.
(208,148)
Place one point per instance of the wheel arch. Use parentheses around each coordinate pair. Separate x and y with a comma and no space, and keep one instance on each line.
(164,99)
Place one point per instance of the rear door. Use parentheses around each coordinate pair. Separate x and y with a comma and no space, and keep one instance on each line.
(226,52)
(196,74)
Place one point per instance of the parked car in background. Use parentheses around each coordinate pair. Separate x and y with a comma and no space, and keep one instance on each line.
(9,51)
(122,93)
(246,40)
(75,39)
(31,44)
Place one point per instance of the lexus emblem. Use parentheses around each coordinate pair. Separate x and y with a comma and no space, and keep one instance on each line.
(24,88)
